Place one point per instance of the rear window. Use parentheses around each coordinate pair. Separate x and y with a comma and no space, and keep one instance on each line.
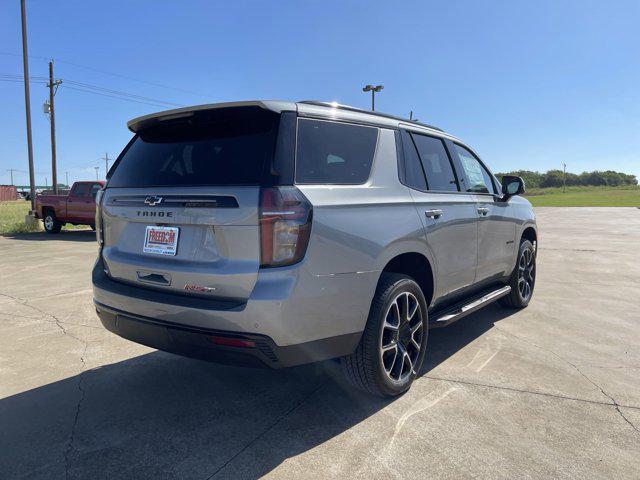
(79,190)
(334,153)
(218,147)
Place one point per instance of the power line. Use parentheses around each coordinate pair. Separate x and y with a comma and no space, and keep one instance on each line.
(114,96)
(90,88)
(20,77)
(190,92)
(21,81)
(162,105)
(119,92)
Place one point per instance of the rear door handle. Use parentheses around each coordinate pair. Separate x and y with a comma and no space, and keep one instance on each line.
(483,210)
(437,213)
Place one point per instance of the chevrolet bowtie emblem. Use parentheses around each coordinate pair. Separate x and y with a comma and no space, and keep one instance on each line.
(153,200)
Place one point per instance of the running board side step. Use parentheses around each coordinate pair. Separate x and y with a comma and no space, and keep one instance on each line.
(461,310)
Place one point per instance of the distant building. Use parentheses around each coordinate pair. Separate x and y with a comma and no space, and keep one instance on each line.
(8,192)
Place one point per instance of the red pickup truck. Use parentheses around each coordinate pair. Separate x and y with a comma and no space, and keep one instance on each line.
(77,208)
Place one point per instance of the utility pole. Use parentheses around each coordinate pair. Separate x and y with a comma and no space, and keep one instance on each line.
(11,170)
(106,164)
(67,175)
(53,87)
(373,90)
(564,177)
(27,102)
(46,183)
(97,169)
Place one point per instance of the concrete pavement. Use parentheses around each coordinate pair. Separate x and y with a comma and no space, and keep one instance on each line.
(549,391)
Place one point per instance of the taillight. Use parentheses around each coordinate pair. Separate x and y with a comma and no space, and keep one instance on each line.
(285,226)
(98,220)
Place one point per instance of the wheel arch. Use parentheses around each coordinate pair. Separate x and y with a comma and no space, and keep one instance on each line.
(417,266)
(48,209)
(529,233)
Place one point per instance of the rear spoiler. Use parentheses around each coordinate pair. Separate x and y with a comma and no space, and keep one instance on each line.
(145,121)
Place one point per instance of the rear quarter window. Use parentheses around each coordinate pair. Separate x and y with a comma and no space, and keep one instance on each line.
(334,153)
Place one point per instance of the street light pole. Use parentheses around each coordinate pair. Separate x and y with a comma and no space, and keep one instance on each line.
(564,177)
(27,102)
(373,90)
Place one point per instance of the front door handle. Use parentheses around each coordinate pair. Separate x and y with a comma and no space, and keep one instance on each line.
(437,213)
(483,210)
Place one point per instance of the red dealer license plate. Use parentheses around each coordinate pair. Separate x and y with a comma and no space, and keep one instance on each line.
(161,240)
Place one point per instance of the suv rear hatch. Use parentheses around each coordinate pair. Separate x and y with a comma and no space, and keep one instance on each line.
(181,209)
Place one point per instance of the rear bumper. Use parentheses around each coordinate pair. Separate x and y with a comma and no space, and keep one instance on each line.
(292,321)
(198,342)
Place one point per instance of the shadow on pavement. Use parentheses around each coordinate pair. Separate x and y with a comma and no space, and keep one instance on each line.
(65,236)
(163,416)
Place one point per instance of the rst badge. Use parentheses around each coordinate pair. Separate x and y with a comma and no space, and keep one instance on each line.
(199,288)
(161,240)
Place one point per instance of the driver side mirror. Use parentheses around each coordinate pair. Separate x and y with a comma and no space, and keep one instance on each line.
(511,186)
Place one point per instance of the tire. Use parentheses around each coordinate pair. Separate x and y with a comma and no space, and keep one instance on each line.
(523,277)
(51,224)
(390,373)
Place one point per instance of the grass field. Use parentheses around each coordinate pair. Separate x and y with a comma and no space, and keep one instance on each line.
(12,219)
(585,197)
(12,213)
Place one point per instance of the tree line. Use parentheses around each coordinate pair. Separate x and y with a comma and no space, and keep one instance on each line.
(554,178)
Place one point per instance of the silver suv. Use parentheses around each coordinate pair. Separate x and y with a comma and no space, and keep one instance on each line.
(279,233)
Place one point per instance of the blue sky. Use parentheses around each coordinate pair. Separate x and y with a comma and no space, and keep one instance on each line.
(529,85)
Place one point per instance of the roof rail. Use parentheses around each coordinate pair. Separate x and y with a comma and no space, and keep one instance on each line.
(360,110)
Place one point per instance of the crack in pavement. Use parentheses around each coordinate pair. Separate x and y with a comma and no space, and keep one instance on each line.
(595,284)
(613,403)
(59,323)
(72,434)
(268,429)
(25,302)
(63,294)
(588,250)
(613,367)
(530,392)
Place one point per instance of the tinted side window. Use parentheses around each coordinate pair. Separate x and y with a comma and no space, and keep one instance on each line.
(335,153)
(478,179)
(414,176)
(436,164)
